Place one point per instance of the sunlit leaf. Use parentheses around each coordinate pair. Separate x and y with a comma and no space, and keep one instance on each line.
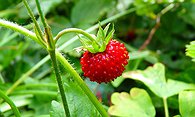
(135,104)
(88,11)
(154,79)
(190,50)
(56,109)
(187,103)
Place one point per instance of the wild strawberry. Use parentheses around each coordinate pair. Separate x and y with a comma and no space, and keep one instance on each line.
(105,58)
(107,65)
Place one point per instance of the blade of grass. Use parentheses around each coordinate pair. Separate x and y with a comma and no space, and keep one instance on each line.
(12,105)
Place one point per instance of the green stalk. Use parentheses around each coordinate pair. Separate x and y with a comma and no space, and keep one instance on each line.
(21,30)
(34,20)
(12,105)
(166,107)
(82,84)
(75,30)
(51,51)
(59,81)
(41,13)
(166,9)
(48,33)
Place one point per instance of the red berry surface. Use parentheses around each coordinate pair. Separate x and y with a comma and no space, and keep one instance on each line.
(105,66)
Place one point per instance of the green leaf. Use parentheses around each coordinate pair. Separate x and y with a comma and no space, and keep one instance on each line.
(190,50)
(154,79)
(187,13)
(123,5)
(89,11)
(177,116)
(187,103)
(56,109)
(117,81)
(145,7)
(138,54)
(1,114)
(44,102)
(79,104)
(135,104)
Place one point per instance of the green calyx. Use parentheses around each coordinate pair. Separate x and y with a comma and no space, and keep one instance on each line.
(99,42)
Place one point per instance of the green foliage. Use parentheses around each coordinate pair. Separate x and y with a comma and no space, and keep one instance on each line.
(190,50)
(88,11)
(154,79)
(78,102)
(135,104)
(187,103)
(146,7)
(36,95)
(56,109)
(187,13)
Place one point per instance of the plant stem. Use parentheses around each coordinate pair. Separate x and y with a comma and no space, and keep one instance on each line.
(81,83)
(48,33)
(51,50)
(59,81)
(157,25)
(41,13)
(21,30)
(34,20)
(166,107)
(74,30)
(12,105)
(166,9)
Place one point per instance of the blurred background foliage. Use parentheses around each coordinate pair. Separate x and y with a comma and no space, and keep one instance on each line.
(18,55)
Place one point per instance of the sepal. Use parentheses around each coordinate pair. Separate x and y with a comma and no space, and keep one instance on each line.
(101,41)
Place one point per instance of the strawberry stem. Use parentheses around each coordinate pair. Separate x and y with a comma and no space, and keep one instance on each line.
(21,30)
(75,30)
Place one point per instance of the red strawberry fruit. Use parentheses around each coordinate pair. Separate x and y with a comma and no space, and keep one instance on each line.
(107,65)
(105,58)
